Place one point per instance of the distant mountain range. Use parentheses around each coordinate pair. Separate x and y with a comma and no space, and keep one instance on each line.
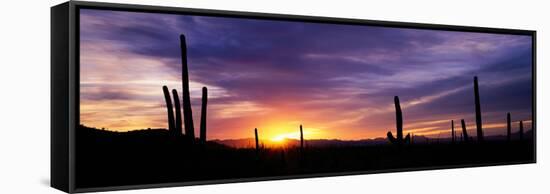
(250,142)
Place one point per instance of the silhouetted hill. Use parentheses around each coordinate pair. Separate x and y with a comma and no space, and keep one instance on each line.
(418,139)
(151,156)
(249,142)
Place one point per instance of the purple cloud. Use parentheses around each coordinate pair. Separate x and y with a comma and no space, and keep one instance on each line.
(335,75)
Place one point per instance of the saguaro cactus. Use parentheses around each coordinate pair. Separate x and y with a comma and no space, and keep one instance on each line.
(478,111)
(464,131)
(178,112)
(187,113)
(169,109)
(508,127)
(520,130)
(398,140)
(453,131)
(257,142)
(301,138)
(203,114)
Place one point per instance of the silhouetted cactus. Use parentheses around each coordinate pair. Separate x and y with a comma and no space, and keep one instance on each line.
(178,112)
(187,113)
(453,131)
(508,127)
(398,140)
(203,115)
(464,131)
(257,142)
(169,109)
(301,138)
(478,111)
(520,130)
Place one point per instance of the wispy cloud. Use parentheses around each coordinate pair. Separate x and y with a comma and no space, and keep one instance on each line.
(274,75)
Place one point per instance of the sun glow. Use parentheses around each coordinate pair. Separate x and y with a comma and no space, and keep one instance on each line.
(282,137)
(281,133)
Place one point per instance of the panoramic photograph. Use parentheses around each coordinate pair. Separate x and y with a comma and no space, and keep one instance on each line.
(172,98)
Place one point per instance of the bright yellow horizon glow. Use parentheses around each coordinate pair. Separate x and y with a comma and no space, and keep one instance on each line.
(278,132)
(282,137)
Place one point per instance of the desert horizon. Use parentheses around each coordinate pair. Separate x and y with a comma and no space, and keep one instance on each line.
(500,127)
(181,98)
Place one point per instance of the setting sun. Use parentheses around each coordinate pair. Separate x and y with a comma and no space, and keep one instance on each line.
(188,97)
(278,132)
(282,137)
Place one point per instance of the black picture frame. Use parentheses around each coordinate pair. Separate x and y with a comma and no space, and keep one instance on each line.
(65,87)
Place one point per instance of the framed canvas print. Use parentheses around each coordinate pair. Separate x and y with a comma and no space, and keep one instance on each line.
(146,96)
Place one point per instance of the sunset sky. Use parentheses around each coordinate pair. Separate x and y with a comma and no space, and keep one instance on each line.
(336,80)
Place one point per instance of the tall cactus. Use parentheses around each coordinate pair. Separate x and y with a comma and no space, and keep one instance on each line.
(257,142)
(203,115)
(301,138)
(178,112)
(520,130)
(508,127)
(187,113)
(398,140)
(453,131)
(464,131)
(478,111)
(169,109)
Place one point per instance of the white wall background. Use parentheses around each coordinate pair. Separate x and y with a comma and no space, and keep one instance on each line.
(24,97)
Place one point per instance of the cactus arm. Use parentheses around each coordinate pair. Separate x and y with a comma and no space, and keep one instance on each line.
(203,115)
(464,131)
(178,112)
(169,109)
(391,138)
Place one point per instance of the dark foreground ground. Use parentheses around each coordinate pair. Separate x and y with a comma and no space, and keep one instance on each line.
(152,156)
